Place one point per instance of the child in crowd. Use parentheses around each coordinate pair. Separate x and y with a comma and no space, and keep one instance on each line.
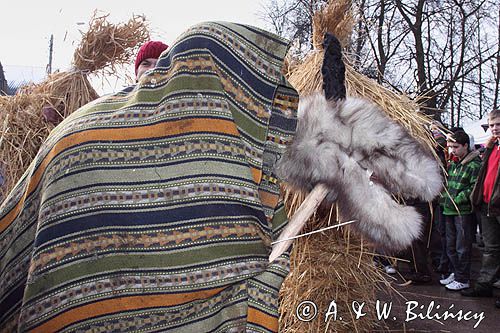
(457,209)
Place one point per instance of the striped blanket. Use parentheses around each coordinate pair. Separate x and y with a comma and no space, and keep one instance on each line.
(153,209)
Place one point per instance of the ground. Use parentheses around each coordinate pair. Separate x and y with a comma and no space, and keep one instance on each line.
(436,300)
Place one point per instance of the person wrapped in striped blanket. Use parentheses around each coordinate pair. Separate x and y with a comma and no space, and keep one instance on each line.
(153,209)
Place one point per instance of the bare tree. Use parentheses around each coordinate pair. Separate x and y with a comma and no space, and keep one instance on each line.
(292,19)
(480,73)
(384,42)
(446,53)
(438,52)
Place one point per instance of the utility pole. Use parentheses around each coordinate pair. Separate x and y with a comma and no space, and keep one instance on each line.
(51,48)
(3,83)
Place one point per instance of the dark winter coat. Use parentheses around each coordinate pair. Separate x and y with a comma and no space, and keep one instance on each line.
(477,193)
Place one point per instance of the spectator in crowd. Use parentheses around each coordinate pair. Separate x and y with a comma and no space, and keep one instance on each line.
(418,253)
(439,258)
(486,199)
(457,209)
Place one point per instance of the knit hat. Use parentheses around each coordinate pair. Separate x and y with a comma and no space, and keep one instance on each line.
(151,49)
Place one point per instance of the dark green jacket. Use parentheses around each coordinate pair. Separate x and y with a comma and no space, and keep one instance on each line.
(462,177)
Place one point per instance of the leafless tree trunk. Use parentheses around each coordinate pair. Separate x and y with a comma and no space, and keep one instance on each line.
(460,97)
(360,34)
(450,69)
(480,73)
(497,78)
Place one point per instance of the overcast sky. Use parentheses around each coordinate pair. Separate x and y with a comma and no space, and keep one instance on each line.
(26,25)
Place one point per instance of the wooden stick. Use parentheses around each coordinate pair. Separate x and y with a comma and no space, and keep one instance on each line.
(298,220)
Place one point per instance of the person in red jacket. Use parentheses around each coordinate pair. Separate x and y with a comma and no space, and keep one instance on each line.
(486,199)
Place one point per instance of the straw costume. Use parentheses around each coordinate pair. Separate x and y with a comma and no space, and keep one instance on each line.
(341,142)
(154,209)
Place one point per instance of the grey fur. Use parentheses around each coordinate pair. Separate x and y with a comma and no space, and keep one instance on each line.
(340,143)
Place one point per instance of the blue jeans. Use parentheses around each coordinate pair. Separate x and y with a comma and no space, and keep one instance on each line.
(459,245)
(490,261)
(445,265)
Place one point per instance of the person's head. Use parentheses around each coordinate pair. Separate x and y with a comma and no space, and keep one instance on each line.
(459,144)
(148,56)
(494,122)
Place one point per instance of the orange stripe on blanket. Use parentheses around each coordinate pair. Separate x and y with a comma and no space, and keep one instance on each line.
(256,175)
(119,305)
(263,319)
(121,134)
(268,199)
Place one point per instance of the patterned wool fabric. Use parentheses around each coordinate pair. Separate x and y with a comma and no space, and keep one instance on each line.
(153,209)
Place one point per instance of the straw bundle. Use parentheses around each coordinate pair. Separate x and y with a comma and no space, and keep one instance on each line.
(338,265)
(331,266)
(335,18)
(65,91)
(103,47)
(106,45)
(22,132)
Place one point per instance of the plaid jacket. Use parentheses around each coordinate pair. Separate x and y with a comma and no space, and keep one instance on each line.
(462,177)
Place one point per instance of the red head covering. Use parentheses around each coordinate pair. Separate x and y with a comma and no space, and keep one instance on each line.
(151,49)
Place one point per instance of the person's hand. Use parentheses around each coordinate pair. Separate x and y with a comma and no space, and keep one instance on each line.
(491,141)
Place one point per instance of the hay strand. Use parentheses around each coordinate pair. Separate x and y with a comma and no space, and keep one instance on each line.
(105,45)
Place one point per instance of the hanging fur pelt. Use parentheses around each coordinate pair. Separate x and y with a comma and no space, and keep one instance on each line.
(364,158)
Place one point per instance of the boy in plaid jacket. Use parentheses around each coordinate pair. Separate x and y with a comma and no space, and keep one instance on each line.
(457,209)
